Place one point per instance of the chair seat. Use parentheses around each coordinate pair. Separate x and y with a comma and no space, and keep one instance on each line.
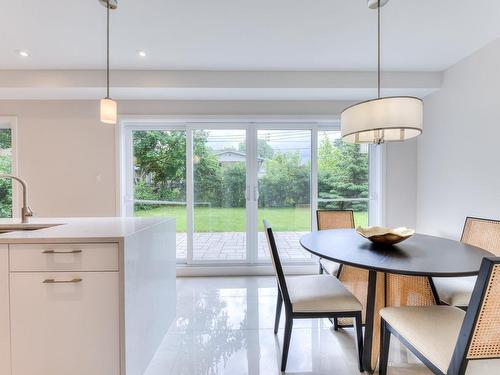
(455,291)
(320,293)
(329,266)
(431,330)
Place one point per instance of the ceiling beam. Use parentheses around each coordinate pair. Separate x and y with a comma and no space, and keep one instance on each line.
(217,85)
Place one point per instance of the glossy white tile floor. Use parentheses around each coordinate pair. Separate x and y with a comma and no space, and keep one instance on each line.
(224,326)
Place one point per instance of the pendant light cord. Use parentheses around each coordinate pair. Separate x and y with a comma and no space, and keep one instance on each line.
(107,49)
(378,50)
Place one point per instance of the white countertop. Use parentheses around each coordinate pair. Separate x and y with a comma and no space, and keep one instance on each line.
(88,229)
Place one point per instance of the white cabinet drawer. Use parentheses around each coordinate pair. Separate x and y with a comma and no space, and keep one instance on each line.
(63,257)
(67,327)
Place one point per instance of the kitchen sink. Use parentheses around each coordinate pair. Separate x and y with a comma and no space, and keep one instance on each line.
(7,228)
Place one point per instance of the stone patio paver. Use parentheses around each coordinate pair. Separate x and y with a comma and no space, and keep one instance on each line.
(232,246)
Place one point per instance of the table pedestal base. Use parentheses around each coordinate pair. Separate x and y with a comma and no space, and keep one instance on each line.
(379,290)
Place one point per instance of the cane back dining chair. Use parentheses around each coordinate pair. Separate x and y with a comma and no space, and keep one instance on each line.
(312,296)
(483,233)
(333,219)
(355,279)
(446,338)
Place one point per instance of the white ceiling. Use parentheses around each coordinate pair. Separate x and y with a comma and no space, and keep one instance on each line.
(419,35)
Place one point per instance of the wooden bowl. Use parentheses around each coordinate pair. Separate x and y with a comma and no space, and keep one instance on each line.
(385,236)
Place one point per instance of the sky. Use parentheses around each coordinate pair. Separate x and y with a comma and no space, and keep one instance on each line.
(280,140)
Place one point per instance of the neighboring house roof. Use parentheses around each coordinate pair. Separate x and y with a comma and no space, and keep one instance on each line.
(236,154)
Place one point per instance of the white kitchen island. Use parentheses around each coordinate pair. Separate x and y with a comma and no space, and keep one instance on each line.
(85,296)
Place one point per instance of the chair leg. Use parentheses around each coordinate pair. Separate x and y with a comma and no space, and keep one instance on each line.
(385,341)
(335,323)
(286,341)
(359,339)
(279,304)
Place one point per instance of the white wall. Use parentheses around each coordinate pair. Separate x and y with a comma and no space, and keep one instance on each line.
(67,158)
(401,184)
(459,152)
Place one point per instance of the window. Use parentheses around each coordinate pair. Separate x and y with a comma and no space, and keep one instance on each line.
(6,166)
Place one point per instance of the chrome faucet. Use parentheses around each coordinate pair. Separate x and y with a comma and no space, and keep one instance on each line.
(25,210)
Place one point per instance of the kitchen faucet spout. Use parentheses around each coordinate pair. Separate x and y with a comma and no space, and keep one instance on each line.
(25,209)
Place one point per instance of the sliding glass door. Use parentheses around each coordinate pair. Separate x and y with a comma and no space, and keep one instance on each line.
(221,180)
(158,178)
(284,185)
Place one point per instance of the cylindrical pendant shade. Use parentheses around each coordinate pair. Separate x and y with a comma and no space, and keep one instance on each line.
(108,111)
(389,119)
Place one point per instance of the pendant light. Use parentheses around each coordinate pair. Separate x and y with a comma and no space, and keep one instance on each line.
(384,119)
(108,105)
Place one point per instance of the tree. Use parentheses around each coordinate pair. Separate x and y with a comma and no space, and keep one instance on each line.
(161,157)
(160,162)
(207,172)
(264,149)
(328,155)
(5,139)
(286,182)
(343,173)
(233,185)
(5,188)
(5,167)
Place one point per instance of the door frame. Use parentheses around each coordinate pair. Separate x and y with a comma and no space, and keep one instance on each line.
(252,124)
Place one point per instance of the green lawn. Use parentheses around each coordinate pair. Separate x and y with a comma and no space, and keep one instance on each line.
(233,219)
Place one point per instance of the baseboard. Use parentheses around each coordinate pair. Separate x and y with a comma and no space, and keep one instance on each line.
(242,270)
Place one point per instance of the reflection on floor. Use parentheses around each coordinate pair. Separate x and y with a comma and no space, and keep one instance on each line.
(224,326)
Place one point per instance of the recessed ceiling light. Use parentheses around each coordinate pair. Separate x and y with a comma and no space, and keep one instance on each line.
(22,53)
(141,53)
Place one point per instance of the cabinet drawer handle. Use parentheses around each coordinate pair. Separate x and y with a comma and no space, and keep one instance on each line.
(61,252)
(52,281)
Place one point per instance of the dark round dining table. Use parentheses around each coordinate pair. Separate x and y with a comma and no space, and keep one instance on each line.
(397,275)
